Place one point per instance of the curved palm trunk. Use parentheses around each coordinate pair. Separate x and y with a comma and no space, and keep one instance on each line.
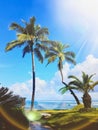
(87,100)
(61,75)
(71,91)
(33,79)
(75,97)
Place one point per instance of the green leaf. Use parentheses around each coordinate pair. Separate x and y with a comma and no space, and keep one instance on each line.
(63,90)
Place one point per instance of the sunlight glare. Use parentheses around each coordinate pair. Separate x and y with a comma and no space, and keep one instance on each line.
(79,16)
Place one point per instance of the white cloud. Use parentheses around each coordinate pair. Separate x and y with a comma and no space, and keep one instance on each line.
(23,89)
(89,66)
(49,90)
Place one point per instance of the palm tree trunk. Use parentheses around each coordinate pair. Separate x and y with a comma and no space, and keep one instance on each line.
(33,79)
(61,75)
(71,91)
(87,100)
(74,95)
(76,98)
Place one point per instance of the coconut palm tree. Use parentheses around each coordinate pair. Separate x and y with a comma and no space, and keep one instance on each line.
(84,85)
(11,115)
(30,36)
(57,51)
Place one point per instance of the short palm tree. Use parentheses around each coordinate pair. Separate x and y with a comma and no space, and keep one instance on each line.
(57,51)
(84,85)
(30,36)
(11,115)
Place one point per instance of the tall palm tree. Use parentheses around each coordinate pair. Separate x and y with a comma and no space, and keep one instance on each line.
(57,51)
(84,85)
(30,36)
(11,115)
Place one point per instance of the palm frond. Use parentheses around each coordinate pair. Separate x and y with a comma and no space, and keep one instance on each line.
(42,31)
(30,27)
(54,50)
(76,84)
(66,88)
(41,47)
(13,44)
(17,27)
(70,60)
(93,85)
(85,78)
(69,53)
(91,76)
(65,46)
(26,50)
(38,54)
(24,37)
(63,90)
(49,43)
(7,99)
(41,38)
(32,20)
(51,59)
(74,77)
(49,54)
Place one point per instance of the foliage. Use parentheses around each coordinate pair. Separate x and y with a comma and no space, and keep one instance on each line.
(30,36)
(84,85)
(58,51)
(11,115)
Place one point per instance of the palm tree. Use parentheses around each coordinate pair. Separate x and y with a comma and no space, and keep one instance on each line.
(57,52)
(11,115)
(84,85)
(31,36)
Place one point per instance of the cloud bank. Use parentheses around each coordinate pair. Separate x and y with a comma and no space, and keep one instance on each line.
(48,90)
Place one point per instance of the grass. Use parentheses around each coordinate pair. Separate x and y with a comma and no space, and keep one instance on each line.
(71,119)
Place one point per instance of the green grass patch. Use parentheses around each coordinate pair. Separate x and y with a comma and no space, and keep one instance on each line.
(71,119)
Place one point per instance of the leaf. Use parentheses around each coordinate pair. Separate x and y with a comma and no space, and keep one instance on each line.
(24,37)
(13,44)
(63,90)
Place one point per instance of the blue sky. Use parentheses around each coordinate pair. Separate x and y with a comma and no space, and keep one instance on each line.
(70,21)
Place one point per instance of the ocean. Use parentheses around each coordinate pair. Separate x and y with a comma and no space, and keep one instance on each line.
(54,104)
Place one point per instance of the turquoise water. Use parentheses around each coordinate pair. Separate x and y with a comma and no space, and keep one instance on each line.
(65,104)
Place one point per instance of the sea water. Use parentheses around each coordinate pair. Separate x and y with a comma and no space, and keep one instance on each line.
(54,104)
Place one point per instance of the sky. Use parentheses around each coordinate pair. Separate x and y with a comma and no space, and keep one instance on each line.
(74,22)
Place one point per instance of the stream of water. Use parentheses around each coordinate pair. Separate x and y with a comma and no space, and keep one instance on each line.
(38,126)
